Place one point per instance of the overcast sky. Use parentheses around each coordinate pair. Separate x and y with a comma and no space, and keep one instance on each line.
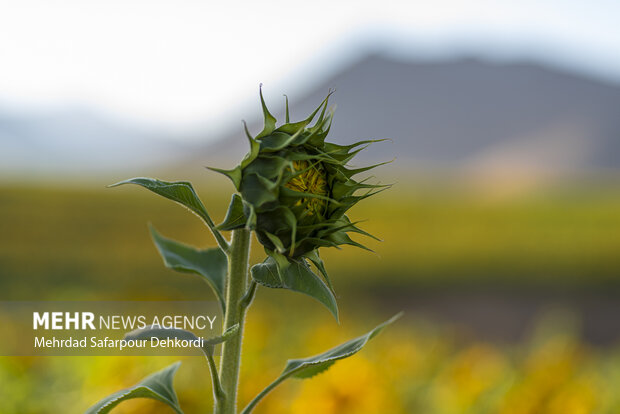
(180,63)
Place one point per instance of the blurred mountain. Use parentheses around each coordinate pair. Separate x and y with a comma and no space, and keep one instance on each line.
(480,118)
(76,141)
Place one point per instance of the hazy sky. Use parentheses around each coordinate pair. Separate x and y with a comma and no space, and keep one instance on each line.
(178,63)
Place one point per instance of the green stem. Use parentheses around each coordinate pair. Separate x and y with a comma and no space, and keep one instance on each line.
(238,257)
(218,392)
(262,394)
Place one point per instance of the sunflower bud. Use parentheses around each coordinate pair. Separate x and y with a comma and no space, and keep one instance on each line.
(294,188)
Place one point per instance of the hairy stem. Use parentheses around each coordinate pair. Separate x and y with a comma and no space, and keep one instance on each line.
(218,392)
(262,395)
(238,257)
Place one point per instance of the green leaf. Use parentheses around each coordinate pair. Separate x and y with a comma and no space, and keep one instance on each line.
(157,386)
(314,257)
(307,367)
(211,264)
(183,193)
(266,274)
(300,368)
(235,217)
(207,346)
(154,331)
(180,191)
(298,277)
(163,333)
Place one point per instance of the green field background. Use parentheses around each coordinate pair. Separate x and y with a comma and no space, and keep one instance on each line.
(91,243)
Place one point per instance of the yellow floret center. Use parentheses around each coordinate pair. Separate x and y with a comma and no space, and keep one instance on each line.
(310,179)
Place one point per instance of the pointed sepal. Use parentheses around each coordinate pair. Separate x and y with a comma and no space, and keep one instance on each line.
(269,120)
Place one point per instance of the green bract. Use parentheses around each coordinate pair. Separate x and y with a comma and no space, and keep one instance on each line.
(294,189)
